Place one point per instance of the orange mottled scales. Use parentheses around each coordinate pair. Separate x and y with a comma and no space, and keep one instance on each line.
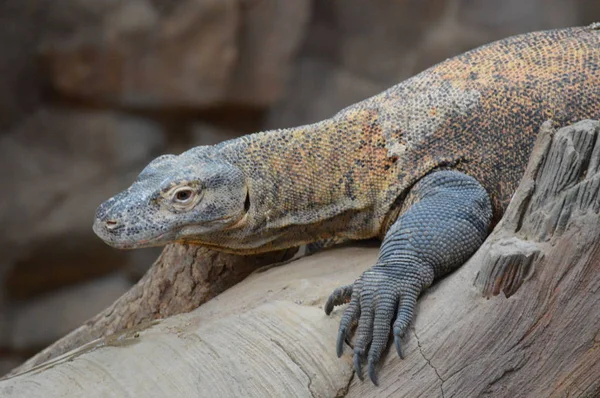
(478,113)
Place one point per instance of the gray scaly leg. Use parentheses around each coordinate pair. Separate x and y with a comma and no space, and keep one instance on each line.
(447,223)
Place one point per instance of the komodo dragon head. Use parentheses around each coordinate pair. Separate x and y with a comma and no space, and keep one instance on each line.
(174,197)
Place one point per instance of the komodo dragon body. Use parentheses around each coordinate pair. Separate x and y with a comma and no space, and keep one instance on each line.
(428,166)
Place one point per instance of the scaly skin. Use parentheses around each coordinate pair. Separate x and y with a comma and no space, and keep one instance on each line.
(367,171)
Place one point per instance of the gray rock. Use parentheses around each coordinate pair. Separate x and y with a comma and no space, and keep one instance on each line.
(518,15)
(59,164)
(353,51)
(7,364)
(207,134)
(270,36)
(41,321)
(20,80)
(377,42)
(320,90)
(3,312)
(56,167)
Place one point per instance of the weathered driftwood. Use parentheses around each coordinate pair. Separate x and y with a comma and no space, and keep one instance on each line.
(268,336)
(180,280)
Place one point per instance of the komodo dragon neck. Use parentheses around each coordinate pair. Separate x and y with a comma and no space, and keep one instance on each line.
(328,182)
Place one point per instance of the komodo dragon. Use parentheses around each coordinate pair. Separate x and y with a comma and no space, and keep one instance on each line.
(428,166)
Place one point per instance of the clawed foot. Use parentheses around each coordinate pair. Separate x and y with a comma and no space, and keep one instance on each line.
(445,225)
(374,300)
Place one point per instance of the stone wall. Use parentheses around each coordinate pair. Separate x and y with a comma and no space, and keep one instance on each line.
(90,91)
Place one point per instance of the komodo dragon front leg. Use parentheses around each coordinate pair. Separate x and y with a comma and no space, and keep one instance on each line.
(446,224)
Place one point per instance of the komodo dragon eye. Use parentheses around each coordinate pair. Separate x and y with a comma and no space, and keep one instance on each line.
(183,195)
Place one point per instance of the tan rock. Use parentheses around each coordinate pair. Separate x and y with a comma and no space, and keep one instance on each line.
(198,53)
(132,55)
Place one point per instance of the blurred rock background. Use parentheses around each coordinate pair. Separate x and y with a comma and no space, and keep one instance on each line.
(90,91)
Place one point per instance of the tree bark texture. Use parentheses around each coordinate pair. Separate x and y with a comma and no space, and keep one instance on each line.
(520,319)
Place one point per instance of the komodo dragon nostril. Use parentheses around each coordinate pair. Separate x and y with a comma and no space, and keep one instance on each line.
(111,225)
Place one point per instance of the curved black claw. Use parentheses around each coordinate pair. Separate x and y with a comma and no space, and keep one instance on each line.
(351,315)
(339,345)
(358,365)
(397,338)
(405,315)
(340,296)
(372,374)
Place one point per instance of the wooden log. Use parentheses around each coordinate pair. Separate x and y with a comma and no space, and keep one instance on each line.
(181,279)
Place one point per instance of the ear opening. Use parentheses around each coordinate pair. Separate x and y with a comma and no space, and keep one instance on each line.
(247,202)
